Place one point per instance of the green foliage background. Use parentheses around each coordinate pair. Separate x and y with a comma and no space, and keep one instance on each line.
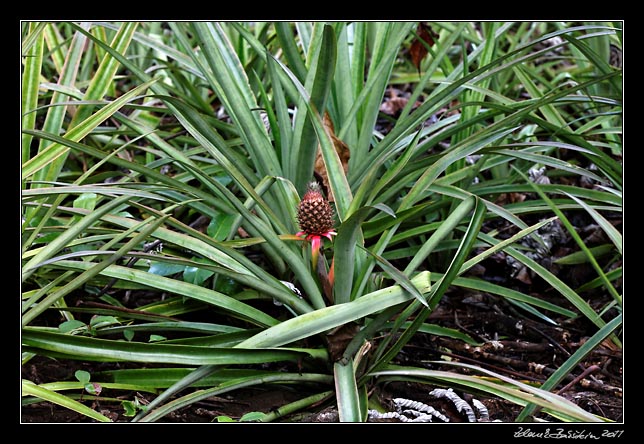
(132,131)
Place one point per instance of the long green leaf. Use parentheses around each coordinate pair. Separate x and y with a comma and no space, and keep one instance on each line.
(34,30)
(107,189)
(386,45)
(85,348)
(397,275)
(154,413)
(29,388)
(318,82)
(54,120)
(346,392)
(335,171)
(165,377)
(92,272)
(103,78)
(556,283)
(288,43)
(515,391)
(30,82)
(56,44)
(608,228)
(55,151)
(283,118)
(437,291)
(344,90)
(324,319)
(189,290)
(349,233)
(444,230)
(61,241)
(574,360)
(571,229)
(234,90)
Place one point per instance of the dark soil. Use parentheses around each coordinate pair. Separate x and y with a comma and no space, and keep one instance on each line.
(514,344)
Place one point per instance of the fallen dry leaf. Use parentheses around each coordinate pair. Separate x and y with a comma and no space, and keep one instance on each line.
(340,338)
(418,50)
(508,198)
(395,103)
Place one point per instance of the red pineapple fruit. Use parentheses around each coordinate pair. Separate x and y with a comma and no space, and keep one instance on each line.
(314,213)
(315,216)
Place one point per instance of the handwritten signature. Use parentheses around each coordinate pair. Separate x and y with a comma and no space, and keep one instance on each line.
(567,434)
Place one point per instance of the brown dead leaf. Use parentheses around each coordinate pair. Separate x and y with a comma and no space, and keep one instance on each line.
(610,345)
(242,233)
(340,338)
(418,51)
(508,198)
(395,103)
(523,275)
(343,153)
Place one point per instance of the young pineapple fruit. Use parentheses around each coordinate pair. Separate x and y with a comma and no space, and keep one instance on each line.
(314,213)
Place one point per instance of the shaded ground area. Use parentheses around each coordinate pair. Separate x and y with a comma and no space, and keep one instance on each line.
(510,343)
